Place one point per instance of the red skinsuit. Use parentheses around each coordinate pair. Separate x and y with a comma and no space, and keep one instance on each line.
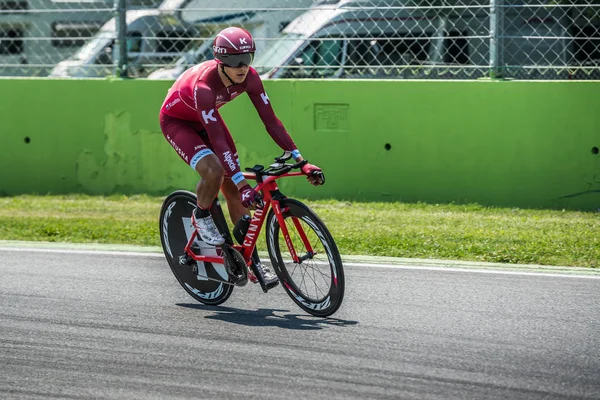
(192,105)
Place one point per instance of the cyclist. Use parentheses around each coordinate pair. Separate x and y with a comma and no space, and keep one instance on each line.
(191,123)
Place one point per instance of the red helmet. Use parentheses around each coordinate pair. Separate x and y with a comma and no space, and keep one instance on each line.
(234,47)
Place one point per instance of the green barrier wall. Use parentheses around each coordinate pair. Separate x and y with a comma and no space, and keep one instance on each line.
(523,144)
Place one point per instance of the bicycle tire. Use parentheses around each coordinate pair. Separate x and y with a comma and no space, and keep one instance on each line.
(295,277)
(175,228)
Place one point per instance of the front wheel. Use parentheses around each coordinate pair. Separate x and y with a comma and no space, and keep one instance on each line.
(315,281)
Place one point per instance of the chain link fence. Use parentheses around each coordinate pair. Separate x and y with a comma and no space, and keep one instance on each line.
(397,39)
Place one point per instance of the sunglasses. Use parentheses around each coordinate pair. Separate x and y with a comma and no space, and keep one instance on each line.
(237,60)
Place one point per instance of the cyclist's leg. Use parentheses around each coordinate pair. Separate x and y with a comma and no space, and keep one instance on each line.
(234,203)
(185,137)
(212,173)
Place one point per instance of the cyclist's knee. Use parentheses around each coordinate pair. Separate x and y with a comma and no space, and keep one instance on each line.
(215,173)
(210,169)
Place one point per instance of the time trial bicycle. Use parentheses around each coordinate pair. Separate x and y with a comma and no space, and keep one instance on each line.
(301,249)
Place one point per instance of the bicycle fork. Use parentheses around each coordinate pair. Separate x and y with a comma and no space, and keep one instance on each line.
(286,234)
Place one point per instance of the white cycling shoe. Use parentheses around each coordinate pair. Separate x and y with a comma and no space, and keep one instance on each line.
(207,230)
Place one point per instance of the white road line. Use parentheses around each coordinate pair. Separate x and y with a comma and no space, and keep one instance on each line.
(474,270)
(346,264)
(90,252)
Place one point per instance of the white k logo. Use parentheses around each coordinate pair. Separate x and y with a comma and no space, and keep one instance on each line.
(208,116)
(245,195)
(243,40)
(264,98)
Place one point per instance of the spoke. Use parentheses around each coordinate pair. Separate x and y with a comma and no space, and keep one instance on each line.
(312,277)
(317,242)
(317,287)
(310,281)
(326,277)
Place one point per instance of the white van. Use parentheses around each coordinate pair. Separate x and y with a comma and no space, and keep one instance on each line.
(32,42)
(537,41)
(154,37)
(264,19)
(352,38)
(393,39)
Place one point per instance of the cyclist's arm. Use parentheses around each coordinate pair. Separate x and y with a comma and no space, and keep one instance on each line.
(275,128)
(217,131)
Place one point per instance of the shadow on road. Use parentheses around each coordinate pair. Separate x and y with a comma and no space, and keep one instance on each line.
(268,317)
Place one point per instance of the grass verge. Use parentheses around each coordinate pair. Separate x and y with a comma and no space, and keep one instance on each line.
(457,232)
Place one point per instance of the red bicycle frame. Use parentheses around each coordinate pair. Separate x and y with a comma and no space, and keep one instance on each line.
(266,187)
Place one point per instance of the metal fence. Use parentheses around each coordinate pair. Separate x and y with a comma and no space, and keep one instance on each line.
(397,39)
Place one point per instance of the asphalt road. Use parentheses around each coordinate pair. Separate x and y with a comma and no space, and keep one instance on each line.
(120,326)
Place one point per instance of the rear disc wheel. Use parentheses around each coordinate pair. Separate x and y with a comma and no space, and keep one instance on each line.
(175,230)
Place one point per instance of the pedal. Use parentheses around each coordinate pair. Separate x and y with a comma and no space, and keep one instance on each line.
(258,279)
(270,286)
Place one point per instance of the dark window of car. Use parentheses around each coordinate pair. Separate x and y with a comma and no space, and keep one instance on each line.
(388,51)
(319,59)
(12,5)
(586,47)
(72,34)
(11,41)
(172,42)
(134,42)
(382,55)
(456,48)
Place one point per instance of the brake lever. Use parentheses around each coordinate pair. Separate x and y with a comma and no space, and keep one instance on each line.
(319,174)
(258,200)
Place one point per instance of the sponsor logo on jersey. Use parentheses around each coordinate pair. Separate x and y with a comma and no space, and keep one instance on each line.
(171,104)
(178,150)
(229,160)
(246,194)
(208,116)
(264,98)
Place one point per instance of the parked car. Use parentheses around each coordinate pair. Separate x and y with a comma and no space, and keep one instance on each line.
(31,42)
(263,18)
(393,39)
(353,38)
(154,37)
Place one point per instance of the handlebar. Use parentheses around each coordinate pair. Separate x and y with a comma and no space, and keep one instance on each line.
(277,169)
(282,168)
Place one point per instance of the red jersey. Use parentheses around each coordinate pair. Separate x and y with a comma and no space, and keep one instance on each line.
(197,96)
